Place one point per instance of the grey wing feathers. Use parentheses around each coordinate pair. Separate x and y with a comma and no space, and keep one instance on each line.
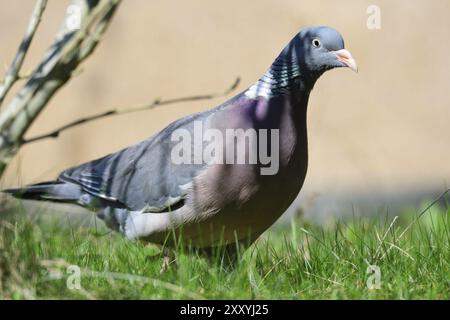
(142,176)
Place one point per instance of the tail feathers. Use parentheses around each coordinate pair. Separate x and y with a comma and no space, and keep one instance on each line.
(56,191)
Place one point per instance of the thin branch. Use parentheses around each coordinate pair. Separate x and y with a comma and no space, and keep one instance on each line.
(12,74)
(72,45)
(115,112)
(56,68)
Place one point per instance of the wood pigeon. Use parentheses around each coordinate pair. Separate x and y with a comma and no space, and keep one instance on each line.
(164,185)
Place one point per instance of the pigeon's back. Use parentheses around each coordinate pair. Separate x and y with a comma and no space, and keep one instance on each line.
(140,175)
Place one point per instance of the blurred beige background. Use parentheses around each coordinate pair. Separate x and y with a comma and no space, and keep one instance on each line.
(384,130)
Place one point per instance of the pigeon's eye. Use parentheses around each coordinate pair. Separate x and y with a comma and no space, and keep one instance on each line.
(316,43)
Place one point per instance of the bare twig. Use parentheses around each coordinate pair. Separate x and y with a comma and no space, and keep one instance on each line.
(115,112)
(12,74)
(61,60)
(71,47)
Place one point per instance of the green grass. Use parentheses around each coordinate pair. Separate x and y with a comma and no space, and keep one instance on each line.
(298,261)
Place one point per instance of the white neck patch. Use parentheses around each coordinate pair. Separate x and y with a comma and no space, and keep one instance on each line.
(259,89)
(273,80)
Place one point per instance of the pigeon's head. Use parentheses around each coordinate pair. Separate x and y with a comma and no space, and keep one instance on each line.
(318,49)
